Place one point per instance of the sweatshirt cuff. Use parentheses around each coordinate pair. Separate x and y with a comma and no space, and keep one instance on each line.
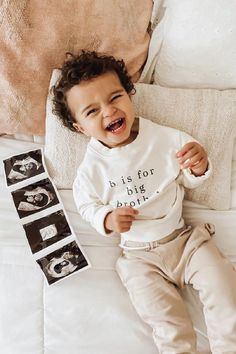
(195,181)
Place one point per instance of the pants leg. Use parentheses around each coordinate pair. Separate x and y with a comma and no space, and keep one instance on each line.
(159,304)
(215,279)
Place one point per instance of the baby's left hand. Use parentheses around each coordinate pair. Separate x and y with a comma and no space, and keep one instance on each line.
(193,156)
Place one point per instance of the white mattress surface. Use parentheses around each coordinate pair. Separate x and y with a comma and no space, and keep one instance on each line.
(89,312)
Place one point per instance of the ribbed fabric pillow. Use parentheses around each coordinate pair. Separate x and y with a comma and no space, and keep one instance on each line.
(207,115)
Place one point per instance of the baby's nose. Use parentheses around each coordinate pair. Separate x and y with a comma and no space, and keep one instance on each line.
(108,111)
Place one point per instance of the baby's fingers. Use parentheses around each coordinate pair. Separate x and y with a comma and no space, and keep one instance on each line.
(185,149)
(125,226)
(188,155)
(191,161)
(200,168)
(126,218)
(127,211)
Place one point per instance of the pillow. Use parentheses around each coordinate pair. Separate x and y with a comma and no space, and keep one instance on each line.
(193,45)
(64,150)
(35,35)
(207,115)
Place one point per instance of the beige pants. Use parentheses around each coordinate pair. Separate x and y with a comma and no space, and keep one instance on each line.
(153,274)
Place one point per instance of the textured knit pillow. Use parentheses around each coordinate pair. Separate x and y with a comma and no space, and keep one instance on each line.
(207,115)
(35,35)
(64,149)
(193,44)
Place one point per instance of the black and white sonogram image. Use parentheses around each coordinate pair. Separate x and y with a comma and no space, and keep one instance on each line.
(47,230)
(34,197)
(62,262)
(20,167)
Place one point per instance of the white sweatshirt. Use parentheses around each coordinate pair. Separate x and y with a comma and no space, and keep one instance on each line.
(144,174)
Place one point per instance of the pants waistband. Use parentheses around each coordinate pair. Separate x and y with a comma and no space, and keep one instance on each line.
(153,244)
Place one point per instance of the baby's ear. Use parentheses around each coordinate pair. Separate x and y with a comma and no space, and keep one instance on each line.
(79,128)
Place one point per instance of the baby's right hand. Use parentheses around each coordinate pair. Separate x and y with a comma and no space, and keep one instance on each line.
(120,219)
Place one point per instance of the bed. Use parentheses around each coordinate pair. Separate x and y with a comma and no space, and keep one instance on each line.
(90,312)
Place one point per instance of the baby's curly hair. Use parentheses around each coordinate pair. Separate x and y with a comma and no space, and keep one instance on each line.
(82,67)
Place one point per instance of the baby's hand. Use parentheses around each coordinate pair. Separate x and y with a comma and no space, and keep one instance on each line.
(193,156)
(120,219)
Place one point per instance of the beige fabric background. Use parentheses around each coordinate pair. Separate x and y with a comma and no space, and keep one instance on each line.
(34,36)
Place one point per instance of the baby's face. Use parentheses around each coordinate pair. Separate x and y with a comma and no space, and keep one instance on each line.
(34,198)
(102,109)
(27,167)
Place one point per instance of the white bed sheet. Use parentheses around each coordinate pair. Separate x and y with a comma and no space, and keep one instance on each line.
(89,312)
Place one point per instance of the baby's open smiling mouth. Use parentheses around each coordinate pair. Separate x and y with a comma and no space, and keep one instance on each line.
(116,126)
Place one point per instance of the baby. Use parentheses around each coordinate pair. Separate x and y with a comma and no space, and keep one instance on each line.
(132,181)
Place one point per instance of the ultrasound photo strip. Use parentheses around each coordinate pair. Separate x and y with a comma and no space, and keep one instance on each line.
(37,202)
(63,262)
(35,197)
(21,167)
(47,230)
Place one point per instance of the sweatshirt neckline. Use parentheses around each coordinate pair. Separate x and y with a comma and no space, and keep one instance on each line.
(98,147)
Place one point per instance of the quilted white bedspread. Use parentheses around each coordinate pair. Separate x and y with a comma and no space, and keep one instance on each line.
(89,312)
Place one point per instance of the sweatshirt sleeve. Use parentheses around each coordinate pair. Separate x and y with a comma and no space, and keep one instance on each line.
(89,205)
(186,177)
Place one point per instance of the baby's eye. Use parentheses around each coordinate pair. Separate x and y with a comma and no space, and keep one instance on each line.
(115,97)
(91,111)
